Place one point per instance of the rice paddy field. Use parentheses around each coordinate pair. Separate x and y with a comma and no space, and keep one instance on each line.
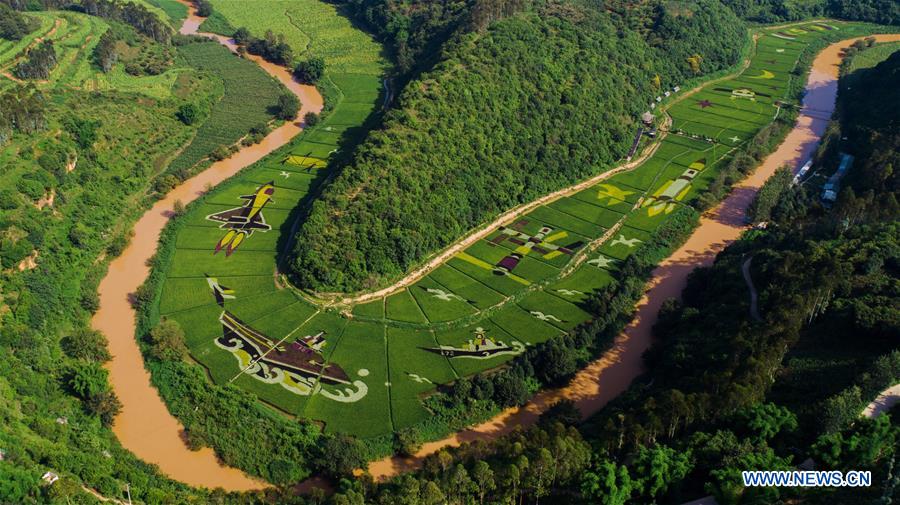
(364,369)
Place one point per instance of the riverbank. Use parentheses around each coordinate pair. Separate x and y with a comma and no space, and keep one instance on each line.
(607,377)
(145,426)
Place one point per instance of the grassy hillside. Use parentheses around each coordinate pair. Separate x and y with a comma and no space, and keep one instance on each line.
(533,103)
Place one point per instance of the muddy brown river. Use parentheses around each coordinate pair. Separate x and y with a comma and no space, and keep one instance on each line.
(146,427)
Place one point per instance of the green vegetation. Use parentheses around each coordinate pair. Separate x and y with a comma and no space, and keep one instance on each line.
(471,138)
(771,11)
(174,10)
(248,99)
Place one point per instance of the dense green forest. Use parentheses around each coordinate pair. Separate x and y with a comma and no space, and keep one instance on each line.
(725,392)
(534,102)
(770,11)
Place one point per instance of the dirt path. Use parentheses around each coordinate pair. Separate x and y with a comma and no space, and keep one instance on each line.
(883,403)
(754,297)
(145,426)
(610,375)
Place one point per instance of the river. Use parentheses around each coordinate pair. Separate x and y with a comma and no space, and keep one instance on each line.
(145,426)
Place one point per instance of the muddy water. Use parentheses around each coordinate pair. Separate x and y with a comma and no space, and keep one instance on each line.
(609,376)
(145,426)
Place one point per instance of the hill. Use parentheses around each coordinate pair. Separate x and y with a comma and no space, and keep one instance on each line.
(525,106)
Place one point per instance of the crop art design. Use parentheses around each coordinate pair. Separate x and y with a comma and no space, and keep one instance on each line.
(664,199)
(242,221)
(299,366)
(479,347)
(541,243)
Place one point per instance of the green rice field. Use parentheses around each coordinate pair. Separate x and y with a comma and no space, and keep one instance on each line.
(519,286)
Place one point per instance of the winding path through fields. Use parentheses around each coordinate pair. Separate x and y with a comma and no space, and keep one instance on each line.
(607,377)
(145,426)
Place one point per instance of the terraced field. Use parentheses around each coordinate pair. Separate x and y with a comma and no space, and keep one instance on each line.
(364,369)
(74,36)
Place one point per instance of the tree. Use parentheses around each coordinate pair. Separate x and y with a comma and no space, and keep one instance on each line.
(242,36)
(105,405)
(509,389)
(407,441)
(204,8)
(340,455)
(867,442)
(38,63)
(460,484)
(15,25)
(311,119)
(767,420)
(287,107)
(86,344)
(432,494)
(188,113)
(484,479)
(87,379)
(310,70)
(694,62)
(607,484)
(659,468)
(541,473)
(167,341)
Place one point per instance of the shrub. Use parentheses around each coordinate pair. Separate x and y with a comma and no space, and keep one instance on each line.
(287,108)
(310,71)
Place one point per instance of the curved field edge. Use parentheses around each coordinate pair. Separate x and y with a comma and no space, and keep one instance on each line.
(158,288)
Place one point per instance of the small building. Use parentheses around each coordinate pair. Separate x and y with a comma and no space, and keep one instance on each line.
(62,420)
(832,187)
(667,94)
(659,99)
(653,105)
(802,172)
(50,477)
(676,89)
(647,118)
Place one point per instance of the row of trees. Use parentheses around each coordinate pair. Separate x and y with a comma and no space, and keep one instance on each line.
(271,47)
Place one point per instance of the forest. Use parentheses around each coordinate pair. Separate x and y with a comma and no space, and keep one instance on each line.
(462,146)
(770,11)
